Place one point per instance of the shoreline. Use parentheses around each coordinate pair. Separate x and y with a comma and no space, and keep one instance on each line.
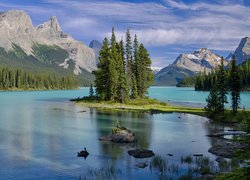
(156,107)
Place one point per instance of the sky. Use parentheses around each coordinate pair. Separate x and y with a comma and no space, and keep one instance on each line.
(167,28)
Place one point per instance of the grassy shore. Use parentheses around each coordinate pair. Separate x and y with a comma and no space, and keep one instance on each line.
(141,105)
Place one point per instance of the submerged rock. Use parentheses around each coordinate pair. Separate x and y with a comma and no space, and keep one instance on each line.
(141,165)
(141,153)
(228,149)
(121,135)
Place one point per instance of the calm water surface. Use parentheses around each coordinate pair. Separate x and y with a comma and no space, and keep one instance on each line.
(41,133)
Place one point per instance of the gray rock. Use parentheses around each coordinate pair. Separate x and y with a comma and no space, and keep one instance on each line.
(141,165)
(141,153)
(228,149)
(243,50)
(122,136)
(96,46)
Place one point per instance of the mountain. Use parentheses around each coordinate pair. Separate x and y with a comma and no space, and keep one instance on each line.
(155,69)
(242,52)
(43,47)
(96,46)
(188,65)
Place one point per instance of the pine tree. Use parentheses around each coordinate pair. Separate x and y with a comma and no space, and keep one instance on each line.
(91,91)
(145,75)
(112,68)
(235,86)
(213,104)
(122,86)
(129,59)
(135,70)
(222,86)
(102,81)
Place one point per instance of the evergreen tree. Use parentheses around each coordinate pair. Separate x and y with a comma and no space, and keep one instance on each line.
(112,68)
(235,85)
(213,104)
(222,86)
(122,86)
(129,58)
(135,70)
(145,75)
(91,91)
(102,81)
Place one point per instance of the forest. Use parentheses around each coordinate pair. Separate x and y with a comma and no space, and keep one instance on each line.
(205,81)
(18,79)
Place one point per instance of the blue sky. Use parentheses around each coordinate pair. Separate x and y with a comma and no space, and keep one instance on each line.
(166,27)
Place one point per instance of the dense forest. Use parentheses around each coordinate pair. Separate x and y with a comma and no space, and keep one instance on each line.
(205,81)
(15,79)
(44,58)
(123,71)
(187,82)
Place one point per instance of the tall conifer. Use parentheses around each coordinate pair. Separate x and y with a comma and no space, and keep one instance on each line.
(235,85)
(222,86)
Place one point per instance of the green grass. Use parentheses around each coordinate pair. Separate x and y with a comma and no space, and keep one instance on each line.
(144,105)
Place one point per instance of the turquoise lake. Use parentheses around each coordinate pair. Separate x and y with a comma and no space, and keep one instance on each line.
(42,131)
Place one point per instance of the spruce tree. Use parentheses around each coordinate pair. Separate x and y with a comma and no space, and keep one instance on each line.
(144,73)
(135,67)
(213,104)
(112,68)
(122,84)
(222,86)
(91,91)
(235,85)
(129,59)
(102,81)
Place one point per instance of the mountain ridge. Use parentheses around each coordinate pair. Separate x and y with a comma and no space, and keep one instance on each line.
(186,65)
(16,28)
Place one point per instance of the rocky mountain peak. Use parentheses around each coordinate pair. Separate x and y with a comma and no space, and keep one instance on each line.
(243,50)
(50,28)
(96,46)
(16,27)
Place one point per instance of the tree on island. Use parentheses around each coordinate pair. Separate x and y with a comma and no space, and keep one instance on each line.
(235,85)
(122,73)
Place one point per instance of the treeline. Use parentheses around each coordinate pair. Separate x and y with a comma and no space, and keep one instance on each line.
(187,82)
(14,79)
(204,82)
(123,71)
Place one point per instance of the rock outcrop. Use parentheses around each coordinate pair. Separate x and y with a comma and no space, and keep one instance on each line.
(16,27)
(121,135)
(96,46)
(242,52)
(141,153)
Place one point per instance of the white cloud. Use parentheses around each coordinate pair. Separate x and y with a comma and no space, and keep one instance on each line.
(218,26)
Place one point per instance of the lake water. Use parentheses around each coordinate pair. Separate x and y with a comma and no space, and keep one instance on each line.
(41,133)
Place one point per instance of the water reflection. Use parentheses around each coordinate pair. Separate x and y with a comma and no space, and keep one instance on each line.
(139,123)
(40,135)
